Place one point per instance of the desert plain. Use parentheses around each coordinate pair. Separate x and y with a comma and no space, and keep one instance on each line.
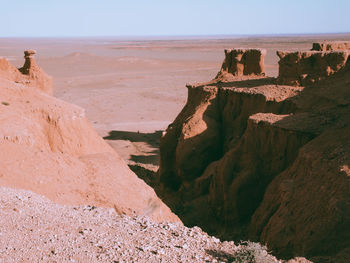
(133,88)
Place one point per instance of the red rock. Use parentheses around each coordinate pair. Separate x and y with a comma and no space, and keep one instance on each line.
(29,75)
(37,77)
(49,147)
(248,158)
(239,62)
(305,68)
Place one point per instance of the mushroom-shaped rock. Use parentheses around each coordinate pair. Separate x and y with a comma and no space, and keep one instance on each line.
(37,77)
(29,62)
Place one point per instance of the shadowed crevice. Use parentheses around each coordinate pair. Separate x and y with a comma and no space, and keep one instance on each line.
(151,138)
(151,141)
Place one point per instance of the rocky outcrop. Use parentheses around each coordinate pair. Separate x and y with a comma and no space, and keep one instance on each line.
(330,46)
(49,147)
(240,62)
(37,77)
(212,120)
(247,158)
(29,75)
(305,68)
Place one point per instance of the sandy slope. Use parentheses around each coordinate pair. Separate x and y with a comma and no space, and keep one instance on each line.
(48,146)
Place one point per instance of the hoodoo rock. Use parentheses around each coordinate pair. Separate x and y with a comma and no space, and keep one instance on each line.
(30,75)
(29,62)
(37,77)
(240,62)
(254,158)
(49,147)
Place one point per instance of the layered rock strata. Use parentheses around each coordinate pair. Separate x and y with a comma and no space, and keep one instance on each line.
(249,157)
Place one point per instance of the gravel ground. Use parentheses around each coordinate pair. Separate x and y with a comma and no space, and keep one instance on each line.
(33,229)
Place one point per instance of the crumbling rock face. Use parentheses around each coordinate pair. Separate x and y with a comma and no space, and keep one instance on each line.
(49,147)
(239,62)
(265,149)
(197,140)
(305,68)
(330,46)
(306,208)
(210,123)
(259,154)
(203,150)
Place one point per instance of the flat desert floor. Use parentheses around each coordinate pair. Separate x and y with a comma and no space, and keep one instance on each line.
(133,89)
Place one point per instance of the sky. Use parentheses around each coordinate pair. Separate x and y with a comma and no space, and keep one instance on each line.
(77,18)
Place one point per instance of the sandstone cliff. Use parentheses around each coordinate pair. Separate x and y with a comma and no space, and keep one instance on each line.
(49,147)
(267,159)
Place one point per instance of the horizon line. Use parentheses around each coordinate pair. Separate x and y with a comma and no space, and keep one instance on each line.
(179,36)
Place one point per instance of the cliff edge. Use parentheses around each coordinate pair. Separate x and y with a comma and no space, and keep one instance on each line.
(267,159)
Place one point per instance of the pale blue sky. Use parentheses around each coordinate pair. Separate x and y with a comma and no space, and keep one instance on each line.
(52,18)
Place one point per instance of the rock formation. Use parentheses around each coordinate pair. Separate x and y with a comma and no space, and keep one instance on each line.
(49,147)
(305,68)
(29,75)
(37,77)
(253,158)
(240,62)
(329,46)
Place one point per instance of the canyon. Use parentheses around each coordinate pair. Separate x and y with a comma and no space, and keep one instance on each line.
(259,153)
(264,158)
(67,196)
